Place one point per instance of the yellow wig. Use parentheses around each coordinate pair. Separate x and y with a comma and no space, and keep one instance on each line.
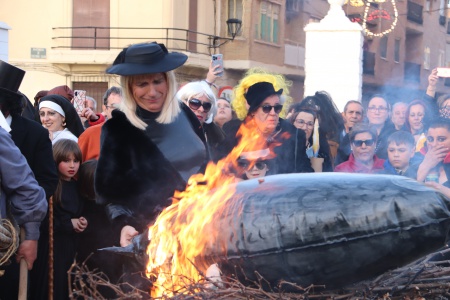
(253,76)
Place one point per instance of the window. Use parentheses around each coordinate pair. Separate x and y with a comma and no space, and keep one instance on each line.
(293,5)
(397,50)
(268,22)
(235,9)
(441,59)
(426,58)
(383,46)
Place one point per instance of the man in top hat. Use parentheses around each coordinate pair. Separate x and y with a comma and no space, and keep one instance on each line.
(28,135)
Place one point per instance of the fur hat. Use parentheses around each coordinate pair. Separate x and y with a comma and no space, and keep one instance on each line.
(10,80)
(258,92)
(62,90)
(146,58)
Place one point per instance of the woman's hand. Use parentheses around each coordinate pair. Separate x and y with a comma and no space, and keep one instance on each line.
(439,187)
(212,73)
(126,235)
(433,157)
(89,114)
(432,82)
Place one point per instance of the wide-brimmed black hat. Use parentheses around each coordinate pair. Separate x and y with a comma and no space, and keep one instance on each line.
(10,80)
(146,58)
(73,121)
(258,92)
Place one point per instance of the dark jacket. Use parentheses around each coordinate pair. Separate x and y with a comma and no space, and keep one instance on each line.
(133,178)
(214,136)
(382,144)
(290,155)
(34,143)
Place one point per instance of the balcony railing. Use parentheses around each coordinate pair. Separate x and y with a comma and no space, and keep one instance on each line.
(106,38)
(412,72)
(414,13)
(368,63)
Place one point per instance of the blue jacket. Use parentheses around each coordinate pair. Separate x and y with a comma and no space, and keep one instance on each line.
(19,188)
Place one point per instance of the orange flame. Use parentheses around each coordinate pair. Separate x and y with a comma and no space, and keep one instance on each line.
(177,239)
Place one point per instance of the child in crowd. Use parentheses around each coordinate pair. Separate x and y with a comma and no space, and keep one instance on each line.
(253,164)
(400,151)
(68,222)
(98,234)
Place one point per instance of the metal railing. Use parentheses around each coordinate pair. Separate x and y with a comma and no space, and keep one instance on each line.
(107,38)
(415,12)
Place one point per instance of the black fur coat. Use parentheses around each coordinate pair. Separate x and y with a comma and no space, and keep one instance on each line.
(133,178)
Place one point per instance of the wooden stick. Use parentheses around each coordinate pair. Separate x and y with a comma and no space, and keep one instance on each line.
(50,248)
(23,279)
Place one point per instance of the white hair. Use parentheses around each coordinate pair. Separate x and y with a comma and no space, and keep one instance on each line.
(197,89)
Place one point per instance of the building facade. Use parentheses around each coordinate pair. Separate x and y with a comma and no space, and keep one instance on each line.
(72,42)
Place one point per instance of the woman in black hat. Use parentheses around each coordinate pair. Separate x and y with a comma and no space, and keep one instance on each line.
(153,143)
(59,116)
(263,106)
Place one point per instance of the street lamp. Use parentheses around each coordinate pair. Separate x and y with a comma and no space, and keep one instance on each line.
(234,27)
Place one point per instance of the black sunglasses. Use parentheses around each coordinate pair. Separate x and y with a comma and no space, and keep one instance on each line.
(266,108)
(195,104)
(358,143)
(244,164)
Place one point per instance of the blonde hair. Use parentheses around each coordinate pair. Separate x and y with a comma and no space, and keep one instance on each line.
(170,108)
(256,75)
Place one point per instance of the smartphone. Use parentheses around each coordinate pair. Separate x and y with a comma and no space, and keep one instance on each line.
(217,59)
(79,100)
(443,72)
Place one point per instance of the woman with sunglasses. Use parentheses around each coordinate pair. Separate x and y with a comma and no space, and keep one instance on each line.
(304,119)
(363,140)
(199,97)
(151,145)
(263,118)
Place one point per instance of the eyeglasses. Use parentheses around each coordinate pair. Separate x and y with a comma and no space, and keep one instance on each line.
(380,109)
(358,143)
(266,108)
(112,106)
(302,122)
(244,164)
(195,104)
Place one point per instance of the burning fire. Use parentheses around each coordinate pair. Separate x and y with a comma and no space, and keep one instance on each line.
(177,238)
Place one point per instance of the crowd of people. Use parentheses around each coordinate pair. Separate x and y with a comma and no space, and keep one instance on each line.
(106,176)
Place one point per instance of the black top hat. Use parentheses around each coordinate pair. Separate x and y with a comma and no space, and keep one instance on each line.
(258,92)
(146,58)
(72,119)
(10,80)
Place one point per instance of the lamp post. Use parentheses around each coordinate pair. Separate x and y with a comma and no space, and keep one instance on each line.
(234,27)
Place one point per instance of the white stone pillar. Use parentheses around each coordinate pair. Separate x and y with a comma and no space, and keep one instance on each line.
(333,56)
(4,41)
